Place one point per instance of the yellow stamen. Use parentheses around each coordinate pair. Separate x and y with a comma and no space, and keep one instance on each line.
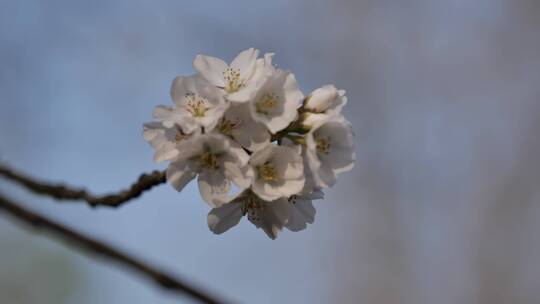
(208,160)
(252,207)
(323,145)
(267,172)
(226,126)
(196,105)
(266,103)
(251,203)
(232,80)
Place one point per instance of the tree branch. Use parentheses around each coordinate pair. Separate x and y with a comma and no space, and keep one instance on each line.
(62,192)
(98,248)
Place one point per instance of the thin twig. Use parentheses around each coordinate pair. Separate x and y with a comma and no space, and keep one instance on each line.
(62,192)
(96,247)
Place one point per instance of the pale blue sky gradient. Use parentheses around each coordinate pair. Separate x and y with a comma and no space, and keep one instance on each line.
(440,208)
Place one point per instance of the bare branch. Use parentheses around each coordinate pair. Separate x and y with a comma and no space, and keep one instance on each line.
(62,192)
(98,248)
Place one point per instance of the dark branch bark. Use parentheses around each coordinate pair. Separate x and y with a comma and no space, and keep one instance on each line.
(63,192)
(91,245)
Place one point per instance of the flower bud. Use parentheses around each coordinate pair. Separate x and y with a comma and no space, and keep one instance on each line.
(326,99)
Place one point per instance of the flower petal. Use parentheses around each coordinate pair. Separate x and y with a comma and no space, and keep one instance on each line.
(238,152)
(166,152)
(273,216)
(214,187)
(325,176)
(168,116)
(254,139)
(247,132)
(243,95)
(288,162)
(315,194)
(162,139)
(265,191)
(181,86)
(224,218)
(180,173)
(271,191)
(153,132)
(262,155)
(302,213)
(211,69)
(245,62)
(283,110)
(241,176)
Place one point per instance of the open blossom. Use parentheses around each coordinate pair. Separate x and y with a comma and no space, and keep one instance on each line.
(276,101)
(270,216)
(330,149)
(197,104)
(278,172)
(238,124)
(217,161)
(238,79)
(166,141)
(326,99)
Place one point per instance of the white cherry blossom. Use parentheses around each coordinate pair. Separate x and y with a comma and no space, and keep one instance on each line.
(276,101)
(330,149)
(217,161)
(270,216)
(197,104)
(238,124)
(238,79)
(326,99)
(247,123)
(278,172)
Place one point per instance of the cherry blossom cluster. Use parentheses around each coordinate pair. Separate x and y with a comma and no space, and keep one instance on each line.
(247,123)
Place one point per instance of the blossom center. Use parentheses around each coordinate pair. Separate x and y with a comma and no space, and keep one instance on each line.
(252,206)
(266,103)
(208,160)
(323,145)
(196,105)
(267,172)
(227,126)
(232,80)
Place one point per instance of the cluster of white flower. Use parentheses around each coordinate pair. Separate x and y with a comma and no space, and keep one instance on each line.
(248,123)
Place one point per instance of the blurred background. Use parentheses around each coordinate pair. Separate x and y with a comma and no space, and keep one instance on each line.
(443,205)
